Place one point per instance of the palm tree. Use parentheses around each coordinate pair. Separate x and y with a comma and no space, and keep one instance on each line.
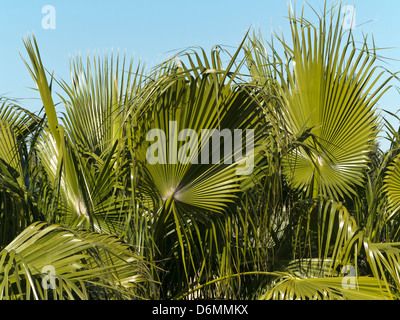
(126,196)
(326,88)
(52,180)
(95,169)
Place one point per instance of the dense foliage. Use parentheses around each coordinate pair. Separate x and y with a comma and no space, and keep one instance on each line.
(317,218)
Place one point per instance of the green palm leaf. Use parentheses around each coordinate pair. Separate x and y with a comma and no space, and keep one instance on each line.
(330,88)
(83,172)
(392,185)
(384,261)
(83,265)
(290,287)
(190,178)
(16,188)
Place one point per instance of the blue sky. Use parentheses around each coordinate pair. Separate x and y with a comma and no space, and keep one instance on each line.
(150,29)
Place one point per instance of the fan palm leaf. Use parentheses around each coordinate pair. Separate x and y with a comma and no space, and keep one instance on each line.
(82,265)
(330,88)
(290,287)
(194,179)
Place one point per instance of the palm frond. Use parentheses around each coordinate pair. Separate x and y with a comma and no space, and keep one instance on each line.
(83,265)
(290,287)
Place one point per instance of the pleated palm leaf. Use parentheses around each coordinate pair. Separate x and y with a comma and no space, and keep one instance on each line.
(290,287)
(17,200)
(324,110)
(328,88)
(193,178)
(392,185)
(54,150)
(85,159)
(99,104)
(49,262)
(340,246)
(88,265)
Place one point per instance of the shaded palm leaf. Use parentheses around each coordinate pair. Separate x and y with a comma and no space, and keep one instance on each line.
(83,265)
(290,287)
(329,88)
